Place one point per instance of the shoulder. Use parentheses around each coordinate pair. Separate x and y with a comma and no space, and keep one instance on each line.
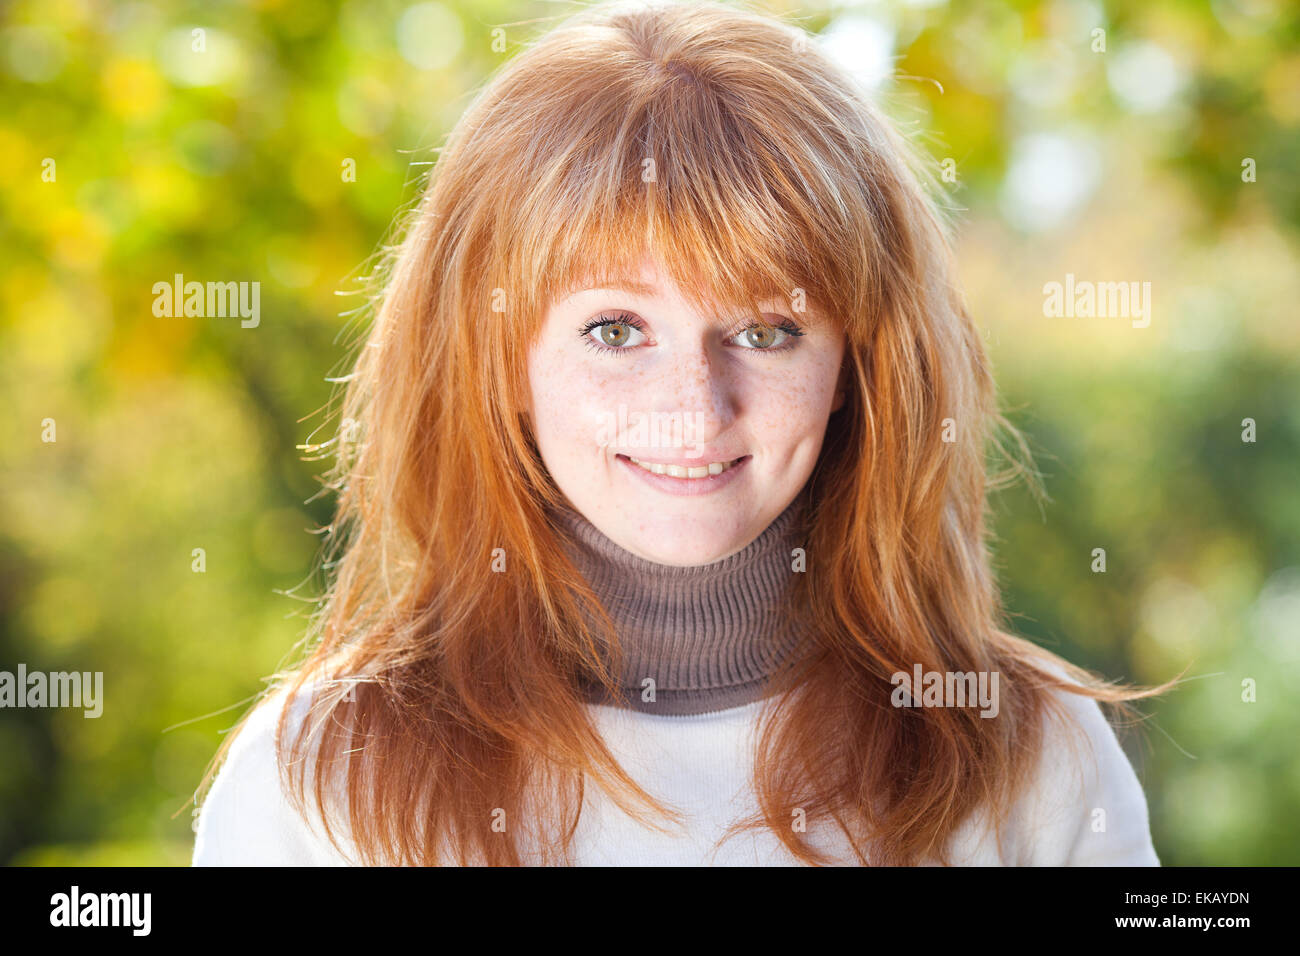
(1083,804)
(247,819)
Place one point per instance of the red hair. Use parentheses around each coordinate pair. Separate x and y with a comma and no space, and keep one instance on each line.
(443,695)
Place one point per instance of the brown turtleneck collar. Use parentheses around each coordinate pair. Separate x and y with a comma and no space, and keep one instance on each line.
(709,636)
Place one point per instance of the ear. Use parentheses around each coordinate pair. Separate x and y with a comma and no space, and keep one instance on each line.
(839,388)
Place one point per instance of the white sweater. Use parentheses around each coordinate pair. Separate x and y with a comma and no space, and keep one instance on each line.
(1079,811)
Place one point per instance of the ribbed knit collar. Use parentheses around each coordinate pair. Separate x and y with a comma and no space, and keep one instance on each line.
(709,636)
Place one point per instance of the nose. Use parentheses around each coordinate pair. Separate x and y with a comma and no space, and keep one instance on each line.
(696,386)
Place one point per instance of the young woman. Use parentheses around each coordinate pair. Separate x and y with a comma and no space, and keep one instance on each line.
(662,488)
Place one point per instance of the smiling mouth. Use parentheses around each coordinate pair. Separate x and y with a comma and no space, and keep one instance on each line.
(706,470)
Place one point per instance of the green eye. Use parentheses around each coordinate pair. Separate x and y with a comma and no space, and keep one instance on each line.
(614,332)
(761,337)
(615,338)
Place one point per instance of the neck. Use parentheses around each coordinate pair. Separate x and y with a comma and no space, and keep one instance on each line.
(710,636)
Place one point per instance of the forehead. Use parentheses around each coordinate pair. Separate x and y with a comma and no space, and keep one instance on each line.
(642,295)
(646,275)
(641,277)
(650,283)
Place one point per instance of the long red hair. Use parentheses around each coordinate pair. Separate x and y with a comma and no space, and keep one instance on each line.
(441,695)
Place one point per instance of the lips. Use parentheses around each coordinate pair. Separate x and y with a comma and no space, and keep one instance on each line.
(702,457)
(686,486)
(697,468)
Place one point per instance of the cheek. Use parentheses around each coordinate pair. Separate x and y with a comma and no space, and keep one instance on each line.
(569,405)
(791,405)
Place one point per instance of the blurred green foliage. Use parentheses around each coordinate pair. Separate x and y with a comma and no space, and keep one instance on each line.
(1118,164)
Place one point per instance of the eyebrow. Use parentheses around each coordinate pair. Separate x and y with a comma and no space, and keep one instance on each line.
(812,317)
(643,289)
(634,286)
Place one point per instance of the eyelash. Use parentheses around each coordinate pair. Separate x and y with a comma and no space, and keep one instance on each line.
(626,318)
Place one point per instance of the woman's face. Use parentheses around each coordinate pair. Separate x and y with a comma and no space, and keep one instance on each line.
(676,386)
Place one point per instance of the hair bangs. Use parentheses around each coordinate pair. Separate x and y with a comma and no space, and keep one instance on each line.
(688,184)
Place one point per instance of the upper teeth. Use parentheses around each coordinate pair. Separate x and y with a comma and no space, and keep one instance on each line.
(681,471)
